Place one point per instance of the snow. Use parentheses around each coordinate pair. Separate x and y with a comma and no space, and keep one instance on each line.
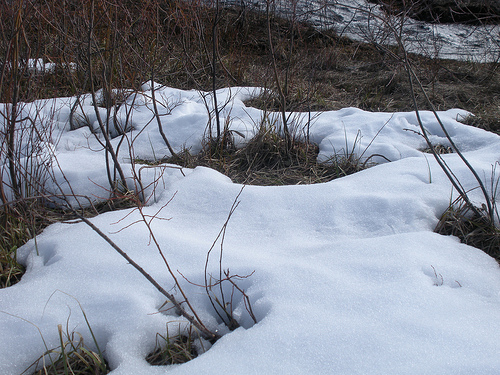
(346,276)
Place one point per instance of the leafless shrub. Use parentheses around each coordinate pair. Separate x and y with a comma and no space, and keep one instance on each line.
(474,225)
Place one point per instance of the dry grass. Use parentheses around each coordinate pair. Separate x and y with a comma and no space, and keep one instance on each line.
(23,221)
(16,228)
(73,357)
(10,271)
(267,160)
(172,350)
(478,231)
(438,149)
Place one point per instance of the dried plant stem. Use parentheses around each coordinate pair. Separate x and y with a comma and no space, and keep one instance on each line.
(442,164)
(194,320)
(412,78)
(276,78)
(231,322)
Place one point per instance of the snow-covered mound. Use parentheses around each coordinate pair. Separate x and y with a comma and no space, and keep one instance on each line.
(348,276)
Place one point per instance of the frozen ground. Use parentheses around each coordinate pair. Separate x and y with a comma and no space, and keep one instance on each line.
(348,276)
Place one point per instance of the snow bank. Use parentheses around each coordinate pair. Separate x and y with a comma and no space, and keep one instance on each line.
(348,276)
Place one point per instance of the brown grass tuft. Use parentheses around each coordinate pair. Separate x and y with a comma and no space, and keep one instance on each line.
(72,357)
(459,220)
(172,350)
(267,160)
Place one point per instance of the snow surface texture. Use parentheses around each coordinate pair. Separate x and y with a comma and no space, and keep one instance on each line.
(349,277)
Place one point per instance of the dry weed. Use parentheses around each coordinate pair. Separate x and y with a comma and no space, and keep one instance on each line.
(71,358)
(478,231)
(172,350)
(266,160)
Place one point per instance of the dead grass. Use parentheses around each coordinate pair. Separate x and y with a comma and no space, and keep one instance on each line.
(15,230)
(328,72)
(471,229)
(267,160)
(439,149)
(73,357)
(10,271)
(23,221)
(172,350)
(323,72)
(489,120)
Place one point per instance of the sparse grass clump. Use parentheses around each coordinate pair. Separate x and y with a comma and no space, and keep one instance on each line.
(438,149)
(472,228)
(23,221)
(489,121)
(14,232)
(73,357)
(172,350)
(267,159)
(10,271)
